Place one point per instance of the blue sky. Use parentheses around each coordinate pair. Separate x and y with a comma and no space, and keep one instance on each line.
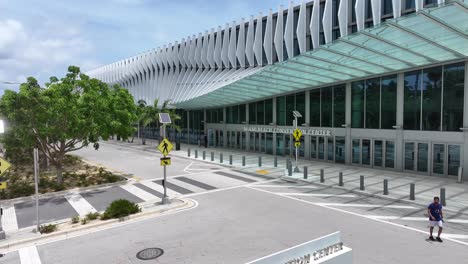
(41,38)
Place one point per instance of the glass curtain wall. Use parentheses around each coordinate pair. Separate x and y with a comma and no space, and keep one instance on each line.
(373,103)
(434,98)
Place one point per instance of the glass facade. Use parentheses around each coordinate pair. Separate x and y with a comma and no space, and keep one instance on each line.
(433,95)
(328,106)
(373,103)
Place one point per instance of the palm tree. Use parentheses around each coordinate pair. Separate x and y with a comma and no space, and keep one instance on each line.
(149,114)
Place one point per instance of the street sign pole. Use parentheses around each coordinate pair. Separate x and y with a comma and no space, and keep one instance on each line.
(165,199)
(296,169)
(36,180)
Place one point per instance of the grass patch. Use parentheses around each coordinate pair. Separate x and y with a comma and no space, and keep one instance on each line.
(120,208)
(45,229)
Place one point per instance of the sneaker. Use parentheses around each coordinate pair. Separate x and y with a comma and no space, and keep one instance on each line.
(438,239)
(431,238)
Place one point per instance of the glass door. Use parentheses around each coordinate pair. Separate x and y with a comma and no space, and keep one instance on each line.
(339,149)
(423,149)
(321,148)
(330,156)
(269,143)
(378,153)
(453,159)
(409,156)
(366,152)
(279,144)
(252,141)
(438,159)
(263,142)
(313,147)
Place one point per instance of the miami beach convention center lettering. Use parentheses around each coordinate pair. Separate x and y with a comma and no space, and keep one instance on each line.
(312,132)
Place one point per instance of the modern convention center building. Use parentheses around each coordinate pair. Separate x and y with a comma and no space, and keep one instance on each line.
(379,83)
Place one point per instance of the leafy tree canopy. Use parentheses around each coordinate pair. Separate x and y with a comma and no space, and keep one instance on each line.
(67,115)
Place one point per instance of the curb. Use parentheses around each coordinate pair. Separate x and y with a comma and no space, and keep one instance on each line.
(81,230)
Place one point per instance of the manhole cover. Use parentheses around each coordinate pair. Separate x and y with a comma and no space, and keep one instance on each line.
(149,253)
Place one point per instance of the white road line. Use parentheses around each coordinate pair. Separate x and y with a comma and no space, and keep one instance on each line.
(9,220)
(387,217)
(145,196)
(459,236)
(81,206)
(188,166)
(319,195)
(357,214)
(286,186)
(366,205)
(159,188)
(29,255)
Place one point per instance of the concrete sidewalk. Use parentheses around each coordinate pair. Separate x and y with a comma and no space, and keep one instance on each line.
(426,187)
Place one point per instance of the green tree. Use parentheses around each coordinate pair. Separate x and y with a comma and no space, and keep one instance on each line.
(67,115)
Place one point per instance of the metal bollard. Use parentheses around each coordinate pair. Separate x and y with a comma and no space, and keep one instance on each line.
(212,156)
(361,179)
(290,169)
(243,160)
(322,176)
(442,197)
(220,157)
(204,155)
(411,191)
(230,159)
(340,179)
(305,172)
(188,153)
(259,161)
(275,162)
(196,153)
(385,187)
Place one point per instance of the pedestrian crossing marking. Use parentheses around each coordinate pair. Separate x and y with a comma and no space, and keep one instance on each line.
(9,220)
(144,195)
(29,255)
(80,204)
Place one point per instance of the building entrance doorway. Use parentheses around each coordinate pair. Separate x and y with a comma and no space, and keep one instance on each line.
(376,153)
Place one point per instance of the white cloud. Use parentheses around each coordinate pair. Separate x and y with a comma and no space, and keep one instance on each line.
(42,51)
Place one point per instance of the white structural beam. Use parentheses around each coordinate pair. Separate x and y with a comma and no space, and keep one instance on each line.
(258,41)
(240,53)
(327,21)
(359,8)
(315,24)
(268,40)
(278,41)
(343,12)
(249,45)
(376,11)
(217,49)
(396,6)
(289,31)
(301,28)
(232,46)
(225,48)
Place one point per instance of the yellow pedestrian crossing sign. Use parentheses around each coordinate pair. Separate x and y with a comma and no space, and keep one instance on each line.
(165,146)
(3,185)
(165,161)
(297,134)
(297,144)
(4,165)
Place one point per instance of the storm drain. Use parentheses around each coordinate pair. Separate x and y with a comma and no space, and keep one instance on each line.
(149,253)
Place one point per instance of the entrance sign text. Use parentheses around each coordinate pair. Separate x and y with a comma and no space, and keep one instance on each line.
(311,132)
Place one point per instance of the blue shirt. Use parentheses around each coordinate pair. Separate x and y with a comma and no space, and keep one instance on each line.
(436,210)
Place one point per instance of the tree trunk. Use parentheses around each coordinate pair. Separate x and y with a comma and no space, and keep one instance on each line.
(58,168)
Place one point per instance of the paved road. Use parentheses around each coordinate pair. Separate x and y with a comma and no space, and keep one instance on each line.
(185,177)
(247,222)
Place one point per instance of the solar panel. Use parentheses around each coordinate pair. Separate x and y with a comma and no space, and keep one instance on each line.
(164,118)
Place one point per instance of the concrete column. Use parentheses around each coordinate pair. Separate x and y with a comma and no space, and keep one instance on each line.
(307,121)
(247,134)
(399,155)
(348,141)
(205,130)
(224,129)
(188,126)
(464,162)
(274,122)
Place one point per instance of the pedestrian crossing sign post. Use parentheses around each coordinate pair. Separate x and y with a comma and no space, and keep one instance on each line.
(297,134)
(165,161)
(4,166)
(165,146)
(297,144)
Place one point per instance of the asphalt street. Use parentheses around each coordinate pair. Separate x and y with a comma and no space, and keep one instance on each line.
(241,217)
(241,224)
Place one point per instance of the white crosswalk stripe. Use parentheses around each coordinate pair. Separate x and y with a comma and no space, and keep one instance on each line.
(145,196)
(366,205)
(284,186)
(29,255)
(9,220)
(159,188)
(81,206)
(185,185)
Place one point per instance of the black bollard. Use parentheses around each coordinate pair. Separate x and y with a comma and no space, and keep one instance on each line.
(340,179)
(361,179)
